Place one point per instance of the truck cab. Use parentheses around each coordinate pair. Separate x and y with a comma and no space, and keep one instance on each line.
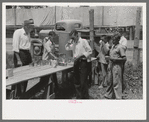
(67,25)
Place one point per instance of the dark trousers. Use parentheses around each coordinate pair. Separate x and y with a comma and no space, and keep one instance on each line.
(123,82)
(26,59)
(81,71)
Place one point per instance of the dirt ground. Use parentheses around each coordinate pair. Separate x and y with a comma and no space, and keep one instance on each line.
(133,84)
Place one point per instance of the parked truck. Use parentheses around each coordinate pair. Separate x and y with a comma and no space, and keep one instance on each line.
(62,29)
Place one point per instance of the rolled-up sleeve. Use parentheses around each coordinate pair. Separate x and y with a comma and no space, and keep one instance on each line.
(16,42)
(88,50)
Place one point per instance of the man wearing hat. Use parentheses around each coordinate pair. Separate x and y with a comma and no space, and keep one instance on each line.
(81,54)
(21,48)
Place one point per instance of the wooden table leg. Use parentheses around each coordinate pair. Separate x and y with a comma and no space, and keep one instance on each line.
(13,93)
(31,92)
(49,90)
(54,79)
(65,75)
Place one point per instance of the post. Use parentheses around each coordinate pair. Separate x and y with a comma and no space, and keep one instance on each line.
(15,17)
(102,15)
(136,52)
(55,14)
(91,18)
(130,33)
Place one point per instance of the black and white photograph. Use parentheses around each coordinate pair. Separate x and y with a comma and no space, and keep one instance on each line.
(68,60)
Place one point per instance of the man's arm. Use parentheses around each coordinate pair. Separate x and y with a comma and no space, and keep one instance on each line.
(106,48)
(69,45)
(47,46)
(97,47)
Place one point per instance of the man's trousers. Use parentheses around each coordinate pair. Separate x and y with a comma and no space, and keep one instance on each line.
(26,59)
(81,72)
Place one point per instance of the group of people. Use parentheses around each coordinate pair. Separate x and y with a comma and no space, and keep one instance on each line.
(111,54)
(111,58)
(22,51)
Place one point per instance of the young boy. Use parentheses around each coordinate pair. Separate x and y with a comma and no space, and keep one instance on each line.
(117,57)
(104,48)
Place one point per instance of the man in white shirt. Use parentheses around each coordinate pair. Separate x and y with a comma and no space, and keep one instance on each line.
(123,40)
(81,54)
(22,43)
(21,48)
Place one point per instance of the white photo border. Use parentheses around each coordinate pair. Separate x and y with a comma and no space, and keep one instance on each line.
(62,109)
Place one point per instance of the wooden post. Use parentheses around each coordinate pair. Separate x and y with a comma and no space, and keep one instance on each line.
(15,17)
(130,33)
(136,52)
(102,15)
(91,18)
(55,14)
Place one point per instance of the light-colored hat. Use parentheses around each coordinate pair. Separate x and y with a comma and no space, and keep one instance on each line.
(28,22)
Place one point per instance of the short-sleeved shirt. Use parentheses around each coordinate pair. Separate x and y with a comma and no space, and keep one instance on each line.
(117,51)
(48,48)
(21,40)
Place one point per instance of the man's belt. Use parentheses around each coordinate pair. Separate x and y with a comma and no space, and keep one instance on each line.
(24,49)
(83,58)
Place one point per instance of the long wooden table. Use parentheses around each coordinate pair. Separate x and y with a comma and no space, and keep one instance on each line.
(45,72)
(24,73)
